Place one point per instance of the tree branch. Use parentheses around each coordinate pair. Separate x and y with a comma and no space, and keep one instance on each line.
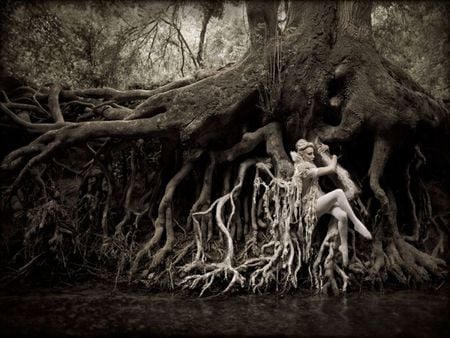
(53,103)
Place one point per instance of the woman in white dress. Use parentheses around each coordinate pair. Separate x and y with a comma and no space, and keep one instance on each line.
(315,202)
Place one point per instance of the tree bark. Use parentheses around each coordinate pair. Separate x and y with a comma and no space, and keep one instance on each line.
(321,79)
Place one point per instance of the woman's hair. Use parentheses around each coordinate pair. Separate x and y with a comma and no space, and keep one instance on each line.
(302,144)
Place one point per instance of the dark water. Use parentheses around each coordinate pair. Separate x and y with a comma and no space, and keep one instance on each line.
(97,311)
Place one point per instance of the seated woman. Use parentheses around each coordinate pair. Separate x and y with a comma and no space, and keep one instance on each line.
(314,200)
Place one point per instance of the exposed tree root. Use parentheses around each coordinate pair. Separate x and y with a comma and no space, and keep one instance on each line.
(253,235)
(439,248)
(401,259)
(404,261)
(204,199)
(118,232)
(226,264)
(218,269)
(224,267)
(163,222)
(414,237)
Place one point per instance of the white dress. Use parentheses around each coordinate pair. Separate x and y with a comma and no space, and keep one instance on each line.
(306,183)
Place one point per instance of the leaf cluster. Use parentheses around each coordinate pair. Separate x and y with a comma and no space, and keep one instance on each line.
(414,35)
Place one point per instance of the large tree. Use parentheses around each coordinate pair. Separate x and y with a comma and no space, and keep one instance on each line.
(211,154)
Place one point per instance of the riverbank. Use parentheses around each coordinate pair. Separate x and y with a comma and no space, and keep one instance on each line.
(96,310)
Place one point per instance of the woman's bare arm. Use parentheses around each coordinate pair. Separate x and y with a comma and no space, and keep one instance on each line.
(329,169)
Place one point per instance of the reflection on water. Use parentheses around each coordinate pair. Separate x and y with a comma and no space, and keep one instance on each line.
(98,311)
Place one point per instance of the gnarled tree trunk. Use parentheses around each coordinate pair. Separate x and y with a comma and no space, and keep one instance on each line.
(322,78)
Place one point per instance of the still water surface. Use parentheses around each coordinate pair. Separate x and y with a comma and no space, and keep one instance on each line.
(97,311)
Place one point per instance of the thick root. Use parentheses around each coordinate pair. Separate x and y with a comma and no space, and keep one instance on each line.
(406,263)
(163,222)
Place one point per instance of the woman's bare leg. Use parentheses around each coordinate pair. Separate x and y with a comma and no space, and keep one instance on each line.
(341,217)
(337,198)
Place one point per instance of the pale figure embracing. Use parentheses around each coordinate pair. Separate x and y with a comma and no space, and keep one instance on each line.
(315,202)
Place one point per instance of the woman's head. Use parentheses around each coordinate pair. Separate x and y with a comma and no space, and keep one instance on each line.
(305,149)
